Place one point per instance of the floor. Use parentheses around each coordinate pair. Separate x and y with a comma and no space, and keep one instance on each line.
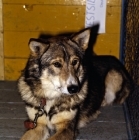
(110,124)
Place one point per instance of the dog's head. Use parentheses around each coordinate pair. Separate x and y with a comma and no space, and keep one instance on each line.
(56,64)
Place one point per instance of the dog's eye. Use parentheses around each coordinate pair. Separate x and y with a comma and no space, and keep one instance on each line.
(74,62)
(57,64)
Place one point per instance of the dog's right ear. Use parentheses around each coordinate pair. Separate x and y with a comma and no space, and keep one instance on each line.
(37,46)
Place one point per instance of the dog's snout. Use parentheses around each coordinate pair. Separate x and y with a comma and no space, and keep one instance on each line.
(73,89)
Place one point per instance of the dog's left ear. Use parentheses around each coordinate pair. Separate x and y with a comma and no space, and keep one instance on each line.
(82,38)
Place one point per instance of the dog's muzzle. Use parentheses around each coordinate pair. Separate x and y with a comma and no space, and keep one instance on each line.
(73,89)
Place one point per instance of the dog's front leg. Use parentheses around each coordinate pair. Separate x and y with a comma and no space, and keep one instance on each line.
(39,133)
(64,131)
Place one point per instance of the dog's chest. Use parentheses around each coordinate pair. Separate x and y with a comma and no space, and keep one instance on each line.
(57,113)
(49,105)
(47,109)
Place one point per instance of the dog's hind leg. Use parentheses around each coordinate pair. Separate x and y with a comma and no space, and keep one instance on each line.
(113,84)
(39,133)
(126,89)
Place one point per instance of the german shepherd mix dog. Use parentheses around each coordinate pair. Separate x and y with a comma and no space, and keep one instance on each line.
(64,88)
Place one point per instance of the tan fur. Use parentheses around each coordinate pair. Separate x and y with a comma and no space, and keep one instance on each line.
(113,83)
(65,115)
(63,133)
(39,133)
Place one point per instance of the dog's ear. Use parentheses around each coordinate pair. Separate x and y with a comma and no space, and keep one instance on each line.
(82,38)
(37,46)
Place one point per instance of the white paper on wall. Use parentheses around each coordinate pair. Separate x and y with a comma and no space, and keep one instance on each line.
(96,13)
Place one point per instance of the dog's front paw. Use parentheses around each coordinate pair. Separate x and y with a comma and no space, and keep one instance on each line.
(38,133)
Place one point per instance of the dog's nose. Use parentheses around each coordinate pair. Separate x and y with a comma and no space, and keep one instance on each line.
(73,89)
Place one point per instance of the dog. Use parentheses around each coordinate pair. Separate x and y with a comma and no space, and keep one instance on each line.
(64,86)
